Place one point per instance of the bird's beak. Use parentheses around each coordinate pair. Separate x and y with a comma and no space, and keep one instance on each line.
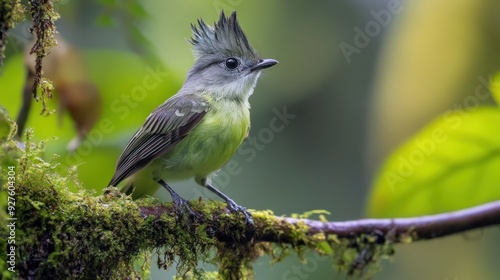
(263,64)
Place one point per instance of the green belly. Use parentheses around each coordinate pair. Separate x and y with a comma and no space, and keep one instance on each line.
(208,146)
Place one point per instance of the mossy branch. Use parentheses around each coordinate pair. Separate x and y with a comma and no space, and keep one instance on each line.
(270,228)
(60,234)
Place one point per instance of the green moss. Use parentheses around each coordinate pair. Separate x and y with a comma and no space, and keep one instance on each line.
(65,235)
(44,28)
(359,257)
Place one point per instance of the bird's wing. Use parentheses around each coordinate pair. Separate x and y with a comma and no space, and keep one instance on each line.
(164,128)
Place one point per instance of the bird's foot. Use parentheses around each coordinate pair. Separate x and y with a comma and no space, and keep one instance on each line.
(181,206)
(231,205)
(179,203)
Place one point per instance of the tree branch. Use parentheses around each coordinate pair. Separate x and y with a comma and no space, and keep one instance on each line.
(422,228)
(394,230)
(368,239)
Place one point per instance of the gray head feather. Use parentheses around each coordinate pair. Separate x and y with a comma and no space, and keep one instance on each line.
(226,38)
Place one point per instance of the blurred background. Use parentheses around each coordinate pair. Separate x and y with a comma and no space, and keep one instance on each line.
(360,78)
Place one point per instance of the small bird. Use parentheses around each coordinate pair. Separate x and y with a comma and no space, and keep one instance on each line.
(197,130)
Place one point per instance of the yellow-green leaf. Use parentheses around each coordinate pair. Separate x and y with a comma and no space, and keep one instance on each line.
(324,248)
(451,164)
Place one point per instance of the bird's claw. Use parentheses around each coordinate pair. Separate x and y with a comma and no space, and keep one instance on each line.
(233,207)
(182,204)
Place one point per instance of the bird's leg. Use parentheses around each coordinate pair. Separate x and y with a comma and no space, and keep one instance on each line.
(230,203)
(179,202)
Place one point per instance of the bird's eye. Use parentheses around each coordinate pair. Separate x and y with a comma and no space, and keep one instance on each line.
(232,63)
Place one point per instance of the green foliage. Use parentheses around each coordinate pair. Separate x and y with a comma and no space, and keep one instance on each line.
(451,164)
(308,214)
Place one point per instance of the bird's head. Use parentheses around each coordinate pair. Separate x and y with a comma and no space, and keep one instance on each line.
(226,64)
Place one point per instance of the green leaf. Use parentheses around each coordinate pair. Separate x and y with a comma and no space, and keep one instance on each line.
(453,163)
(324,248)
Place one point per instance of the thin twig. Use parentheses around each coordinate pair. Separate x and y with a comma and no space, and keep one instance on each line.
(422,228)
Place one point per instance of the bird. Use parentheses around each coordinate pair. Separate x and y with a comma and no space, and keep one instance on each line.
(198,129)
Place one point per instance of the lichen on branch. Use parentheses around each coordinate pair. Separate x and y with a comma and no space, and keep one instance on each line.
(44,29)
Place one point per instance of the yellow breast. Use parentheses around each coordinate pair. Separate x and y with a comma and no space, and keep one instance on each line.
(210,144)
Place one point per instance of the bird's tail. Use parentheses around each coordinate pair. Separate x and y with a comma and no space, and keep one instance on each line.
(128,187)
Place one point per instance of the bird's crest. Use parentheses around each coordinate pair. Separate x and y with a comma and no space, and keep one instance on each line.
(226,37)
